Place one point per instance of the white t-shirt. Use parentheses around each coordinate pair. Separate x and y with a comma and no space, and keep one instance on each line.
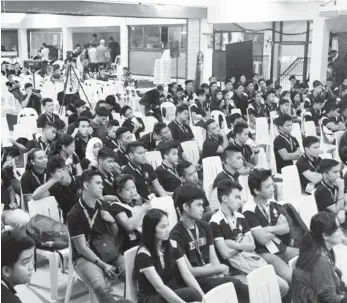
(45,53)
(92,55)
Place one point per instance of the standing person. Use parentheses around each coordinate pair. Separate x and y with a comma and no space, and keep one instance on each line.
(268,225)
(216,141)
(114,49)
(101,51)
(179,127)
(90,222)
(195,239)
(316,277)
(93,61)
(45,52)
(17,263)
(286,147)
(160,262)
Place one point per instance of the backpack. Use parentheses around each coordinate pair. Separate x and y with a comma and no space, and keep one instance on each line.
(48,233)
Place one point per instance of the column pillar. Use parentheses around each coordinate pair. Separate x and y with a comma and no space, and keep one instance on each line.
(319,49)
(124,45)
(22,45)
(206,31)
(67,40)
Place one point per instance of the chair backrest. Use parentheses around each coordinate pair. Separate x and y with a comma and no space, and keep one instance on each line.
(245,193)
(216,115)
(307,208)
(262,159)
(149,122)
(291,184)
(212,166)
(326,156)
(166,204)
(235,111)
(130,283)
(292,262)
(263,285)
(170,109)
(47,206)
(154,158)
(296,133)
(262,131)
(310,128)
(198,133)
(225,293)
(191,151)
(338,136)
(27,112)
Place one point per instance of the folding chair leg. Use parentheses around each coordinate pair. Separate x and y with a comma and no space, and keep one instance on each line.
(53,267)
(70,283)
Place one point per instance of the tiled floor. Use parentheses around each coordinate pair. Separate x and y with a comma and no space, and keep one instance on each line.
(39,289)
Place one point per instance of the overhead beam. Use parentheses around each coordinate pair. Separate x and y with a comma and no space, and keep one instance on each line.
(89,8)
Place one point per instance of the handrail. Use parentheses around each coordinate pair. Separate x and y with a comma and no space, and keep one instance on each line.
(286,71)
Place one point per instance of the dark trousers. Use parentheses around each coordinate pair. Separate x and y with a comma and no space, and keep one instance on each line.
(187,294)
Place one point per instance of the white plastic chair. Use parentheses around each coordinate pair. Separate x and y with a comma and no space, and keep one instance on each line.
(263,285)
(213,198)
(48,207)
(154,158)
(166,204)
(292,262)
(296,133)
(310,128)
(223,293)
(235,111)
(170,109)
(307,208)
(245,193)
(338,136)
(130,283)
(149,122)
(191,151)
(212,166)
(262,160)
(133,98)
(262,131)
(215,115)
(326,156)
(27,112)
(292,191)
(199,133)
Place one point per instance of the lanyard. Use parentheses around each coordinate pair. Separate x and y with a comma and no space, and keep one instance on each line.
(114,142)
(109,179)
(49,119)
(333,194)
(311,164)
(263,209)
(135,169)
(44,146)
(195,241)
(171,171)
(181,127)
(290,141)
(125,155)
(91,221)
(232,222)
(230,175)
(215,141)
(38,180)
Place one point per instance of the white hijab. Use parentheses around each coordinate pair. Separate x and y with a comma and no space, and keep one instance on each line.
(89,150)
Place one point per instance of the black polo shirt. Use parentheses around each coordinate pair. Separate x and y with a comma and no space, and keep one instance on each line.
(257,111)
(78,224)
(8,293)
(43,118)
(39,144)
(5,184)
(246,151)
(30,181)
(66,195)
(256,219)
(197,108)
(305,164)
(80,147)
(34,102)
(197,256)
(144,178)
(290,144)
(148,142)
(168,177)
(109,185)
(325,195)
(325,120)
(224,229)
(122,158)
(312,115)
(180,132)
(109,142)
(130,125)
(241,102)
(270,108)
(224,175)
(210,147)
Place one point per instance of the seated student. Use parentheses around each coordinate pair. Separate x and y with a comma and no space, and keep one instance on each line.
(146,179)
(308,165)
(216,141)
(268,226)
(64,147)
(35,173)
(286,147)
(151,139)
(80,107)
(314,112)
(232,162)
(48,115)
(11,215)
(194,238)
(231,233)
(249,91)
(87,221)
(17,263)
(108,169)
(110,140)
(112,105)
(197,108)
(102,74)
(128,210)
(283,107)
(99,122)
(179,95)
(250,154)
(160,264)
(90,161)
(317,92)
(64,187)
(189,175)
(330,191)
(343,147)
(31,99)
(179,127)
(123,137)
(49,133)
(256,109)
(166,172)
(82,136)
(316,277)
(231,121)
(189,89)
(270,104)
(134,124)
(329,121)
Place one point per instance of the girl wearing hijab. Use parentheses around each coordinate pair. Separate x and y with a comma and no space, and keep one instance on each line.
(92,150)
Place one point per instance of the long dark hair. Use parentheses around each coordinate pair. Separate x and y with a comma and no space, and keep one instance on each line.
(313,243)
(64,140)
(31,156)
(149,223)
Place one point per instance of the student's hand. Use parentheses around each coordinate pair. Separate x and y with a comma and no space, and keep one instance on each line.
(106,216)
(75,132)
(8,162)
(340,183)
(224,269)
(110,271)
(13,205)
(58,175)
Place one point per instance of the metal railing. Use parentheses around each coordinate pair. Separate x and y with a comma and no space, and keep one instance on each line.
(261,66)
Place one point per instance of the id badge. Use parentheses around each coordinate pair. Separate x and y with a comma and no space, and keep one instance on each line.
(271,247)
(276,240)
(309,188)
(132,236)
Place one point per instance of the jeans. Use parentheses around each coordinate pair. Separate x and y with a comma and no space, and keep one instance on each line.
(187,294)
(15,218)
(279,262)
(95,277)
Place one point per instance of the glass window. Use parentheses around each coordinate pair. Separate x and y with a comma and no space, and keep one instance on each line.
(178,33)
(218,41)
(152,37)
(225,40)
(136,37)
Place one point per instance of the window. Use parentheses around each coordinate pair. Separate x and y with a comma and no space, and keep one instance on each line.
(152,37)
(178,33)
(136,37)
